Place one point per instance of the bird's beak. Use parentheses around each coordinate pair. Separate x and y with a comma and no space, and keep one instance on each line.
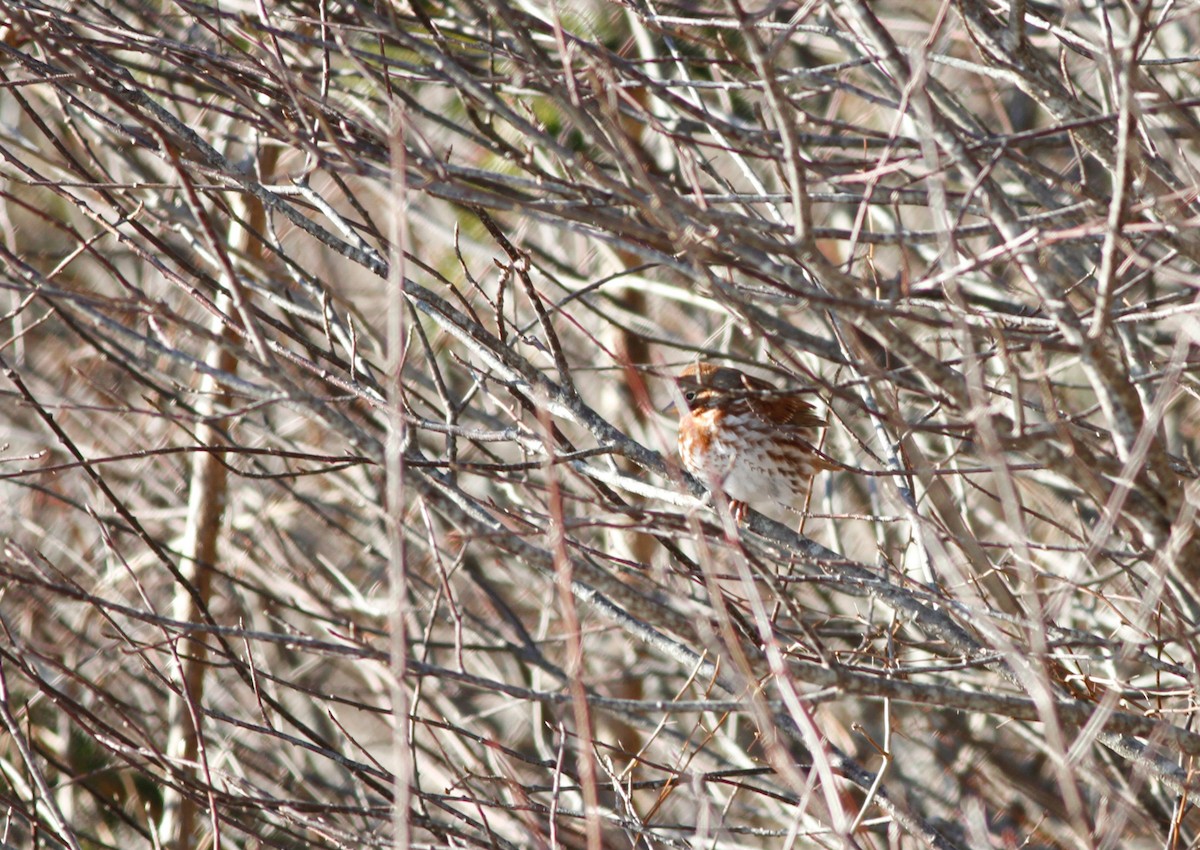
(676,404)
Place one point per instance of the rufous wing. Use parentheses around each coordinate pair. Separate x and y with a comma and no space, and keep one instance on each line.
(785,409)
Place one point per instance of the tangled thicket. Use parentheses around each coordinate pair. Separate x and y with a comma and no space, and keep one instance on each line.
(337,508)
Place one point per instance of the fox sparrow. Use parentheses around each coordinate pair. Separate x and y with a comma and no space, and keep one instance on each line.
(744,437)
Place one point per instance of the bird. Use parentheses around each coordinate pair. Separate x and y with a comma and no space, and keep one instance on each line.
(742,436)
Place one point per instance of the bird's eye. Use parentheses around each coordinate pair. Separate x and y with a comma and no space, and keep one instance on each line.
(690,395)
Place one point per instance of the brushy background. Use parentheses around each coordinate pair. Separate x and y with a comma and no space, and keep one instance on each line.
(338,511)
